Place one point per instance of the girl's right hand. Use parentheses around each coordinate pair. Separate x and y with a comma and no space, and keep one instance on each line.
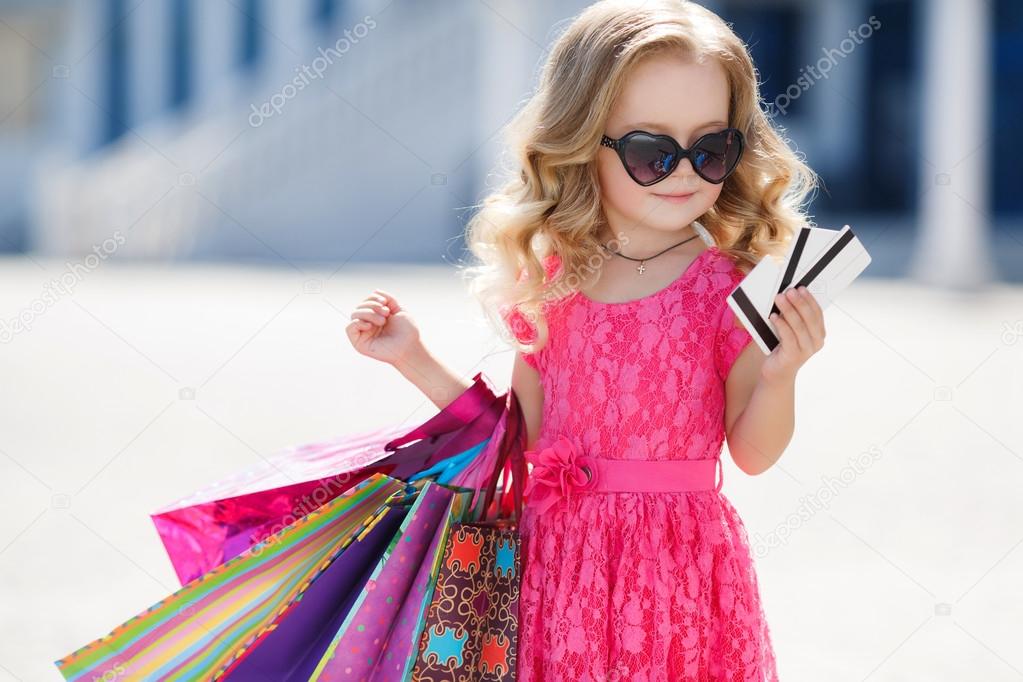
(381,329)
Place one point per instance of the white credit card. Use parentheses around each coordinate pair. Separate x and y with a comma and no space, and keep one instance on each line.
(824,261)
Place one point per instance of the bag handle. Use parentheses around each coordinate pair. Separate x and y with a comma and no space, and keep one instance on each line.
(463,410)
(510,453)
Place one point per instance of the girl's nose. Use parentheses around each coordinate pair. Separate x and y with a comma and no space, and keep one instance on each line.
(683,178)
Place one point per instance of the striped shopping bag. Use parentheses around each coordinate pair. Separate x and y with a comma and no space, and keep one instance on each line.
(381,630)
(281,597)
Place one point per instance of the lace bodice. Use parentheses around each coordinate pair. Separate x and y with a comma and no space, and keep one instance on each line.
(642,379)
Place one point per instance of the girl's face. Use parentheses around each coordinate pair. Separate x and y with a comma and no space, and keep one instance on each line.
(664,95)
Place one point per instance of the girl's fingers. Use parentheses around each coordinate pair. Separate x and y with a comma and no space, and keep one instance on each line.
(369,316)
(378,299)
(812,317)
(783,329)
(356,328)
(376,306)
(817,330)
(373,311)
(793,320)
(388,300)
(799,314)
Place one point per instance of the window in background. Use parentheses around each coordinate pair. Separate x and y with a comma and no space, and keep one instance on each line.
(888,179)
(251,38)
(115,99)
(1007,109)
(773,34)
(325,12)
(180,58)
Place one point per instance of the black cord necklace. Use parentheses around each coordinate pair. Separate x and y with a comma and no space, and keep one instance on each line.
(642,268)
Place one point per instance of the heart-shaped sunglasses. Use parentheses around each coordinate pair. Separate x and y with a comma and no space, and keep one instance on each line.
(650,158)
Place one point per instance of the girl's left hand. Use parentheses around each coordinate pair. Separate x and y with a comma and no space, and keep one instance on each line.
(800,330)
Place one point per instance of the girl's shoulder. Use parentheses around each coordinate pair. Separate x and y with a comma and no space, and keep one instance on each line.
(552,265)
(726,273)
(724,270)
(522,328)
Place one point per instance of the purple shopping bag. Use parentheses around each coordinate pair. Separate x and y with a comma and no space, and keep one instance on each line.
(223,520)
(370,644)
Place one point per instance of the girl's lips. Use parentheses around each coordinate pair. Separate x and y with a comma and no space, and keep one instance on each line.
(676,198)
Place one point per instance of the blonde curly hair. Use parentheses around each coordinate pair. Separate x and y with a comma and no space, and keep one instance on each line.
(549,210)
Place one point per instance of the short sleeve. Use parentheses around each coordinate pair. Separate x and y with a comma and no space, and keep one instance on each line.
(520,326)
(522,329)
(730,336)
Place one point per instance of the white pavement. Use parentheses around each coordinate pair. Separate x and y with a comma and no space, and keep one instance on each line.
(903,564)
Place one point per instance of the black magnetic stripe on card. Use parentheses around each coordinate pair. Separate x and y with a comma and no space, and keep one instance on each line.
(797,255)
(759,324)
(790,267)
(830,255)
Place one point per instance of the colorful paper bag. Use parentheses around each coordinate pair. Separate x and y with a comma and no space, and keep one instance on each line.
(207,627)
(222,520)
(362,648)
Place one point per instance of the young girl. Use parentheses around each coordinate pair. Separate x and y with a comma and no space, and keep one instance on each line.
(648,181)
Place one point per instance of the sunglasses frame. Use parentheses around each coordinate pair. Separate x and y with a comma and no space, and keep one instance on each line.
(680,152)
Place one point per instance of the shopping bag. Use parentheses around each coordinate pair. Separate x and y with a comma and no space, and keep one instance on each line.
(377,636)
(310,571)
(470,629)
(303,640)
(380,634)
(222,520)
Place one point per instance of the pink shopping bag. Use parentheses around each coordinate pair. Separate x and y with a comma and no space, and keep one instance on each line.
(222,520)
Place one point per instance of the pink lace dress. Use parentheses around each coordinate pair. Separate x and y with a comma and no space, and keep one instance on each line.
(635,586)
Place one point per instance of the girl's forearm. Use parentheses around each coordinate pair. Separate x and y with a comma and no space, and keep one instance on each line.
(763,430)
(438,382)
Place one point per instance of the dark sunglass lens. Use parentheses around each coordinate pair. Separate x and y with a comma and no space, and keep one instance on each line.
(715,155)
(649,158)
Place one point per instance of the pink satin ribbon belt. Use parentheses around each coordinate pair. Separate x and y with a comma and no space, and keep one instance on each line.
(560,471)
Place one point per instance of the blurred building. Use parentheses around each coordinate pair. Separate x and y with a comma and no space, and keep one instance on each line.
(290,130)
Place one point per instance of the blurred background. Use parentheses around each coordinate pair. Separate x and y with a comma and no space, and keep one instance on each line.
(194,195)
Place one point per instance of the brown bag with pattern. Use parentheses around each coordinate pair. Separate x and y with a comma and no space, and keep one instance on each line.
(471,625)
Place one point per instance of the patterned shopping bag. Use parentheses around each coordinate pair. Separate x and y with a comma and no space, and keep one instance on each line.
(470,629)
(280,598)
(379,633)
(222,520)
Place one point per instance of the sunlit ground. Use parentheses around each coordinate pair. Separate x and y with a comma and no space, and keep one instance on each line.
(149,381)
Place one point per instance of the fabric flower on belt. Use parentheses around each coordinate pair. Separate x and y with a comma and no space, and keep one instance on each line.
(558,469)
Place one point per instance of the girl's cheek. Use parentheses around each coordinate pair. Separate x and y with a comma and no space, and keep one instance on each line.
(618,190)
(712,195)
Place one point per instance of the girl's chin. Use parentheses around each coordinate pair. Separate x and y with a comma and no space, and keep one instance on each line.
(672,211)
